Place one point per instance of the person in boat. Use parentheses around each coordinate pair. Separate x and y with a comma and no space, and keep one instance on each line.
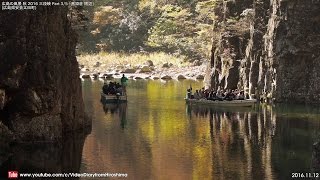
(206,93)
(112,88)
(124,80)
(117,85)
(233,94)
(197,95)
(236,92)
(201,93)
(105,88)
(228,96)
(119,90)
(212,95)
(220,95)
(189,93)
(240,95)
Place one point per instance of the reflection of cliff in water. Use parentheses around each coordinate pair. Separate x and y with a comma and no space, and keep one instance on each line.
(117,110)
(63,157)
(259,143)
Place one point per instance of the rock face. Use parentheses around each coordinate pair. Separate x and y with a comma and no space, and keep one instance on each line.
(271,50)
(39,81)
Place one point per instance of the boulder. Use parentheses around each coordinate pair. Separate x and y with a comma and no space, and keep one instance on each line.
(101,75)
(98,64)
(138,77)
(145,69)
(84,70)
(196,63)
(108,76)
(148,63)
(165,65)
(95,75)
(155,78)
(118,67)
(181,77)
(200,77)
(166,77)
(85,76)
(129,70)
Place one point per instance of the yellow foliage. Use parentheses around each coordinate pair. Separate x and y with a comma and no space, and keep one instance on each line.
(106,15)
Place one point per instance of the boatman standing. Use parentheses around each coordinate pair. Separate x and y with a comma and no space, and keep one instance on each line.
(124,80)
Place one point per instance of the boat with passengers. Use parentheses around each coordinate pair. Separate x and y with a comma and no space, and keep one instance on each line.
(114,92)
(219,98)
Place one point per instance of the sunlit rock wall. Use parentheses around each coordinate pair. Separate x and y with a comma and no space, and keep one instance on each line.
(40,89)
(277,56)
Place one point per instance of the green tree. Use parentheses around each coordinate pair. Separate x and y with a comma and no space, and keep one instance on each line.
(180,27)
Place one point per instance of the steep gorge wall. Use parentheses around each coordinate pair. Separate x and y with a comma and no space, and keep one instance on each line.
(40,89)
(276,56)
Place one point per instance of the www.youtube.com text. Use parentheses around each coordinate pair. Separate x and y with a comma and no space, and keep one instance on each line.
(16,174)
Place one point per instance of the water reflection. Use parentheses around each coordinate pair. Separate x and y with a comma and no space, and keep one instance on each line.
(250,143)
(63,157)
(162,138)
(117,111)
(240,141)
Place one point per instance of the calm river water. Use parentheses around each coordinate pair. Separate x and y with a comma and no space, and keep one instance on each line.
(156,136)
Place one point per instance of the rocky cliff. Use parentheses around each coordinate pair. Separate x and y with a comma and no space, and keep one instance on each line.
(269,48)
(40,89)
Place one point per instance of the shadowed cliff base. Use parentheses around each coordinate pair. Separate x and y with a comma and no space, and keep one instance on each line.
(60,157)
(273,55)
(40,89)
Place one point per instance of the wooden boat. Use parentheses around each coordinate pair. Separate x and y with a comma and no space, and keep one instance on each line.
(225,103)
(113,98)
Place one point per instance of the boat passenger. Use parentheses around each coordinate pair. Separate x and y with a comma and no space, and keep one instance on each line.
(202,93)
(236,92)
(117,85)
(189,93)
(196,95)
(111,88)
(119,90)
(105,88)
(206,93)
(241,95)
(212,95)
(233,94)
(220,95)
(228,96)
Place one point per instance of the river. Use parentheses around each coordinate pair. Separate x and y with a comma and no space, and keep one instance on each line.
(156,136)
